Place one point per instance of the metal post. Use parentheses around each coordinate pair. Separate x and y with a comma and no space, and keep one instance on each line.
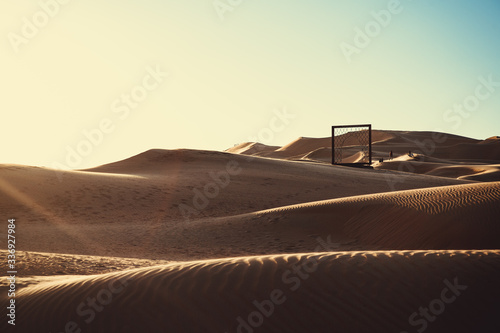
(333,145)
(370,142)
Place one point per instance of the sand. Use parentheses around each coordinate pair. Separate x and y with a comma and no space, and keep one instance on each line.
(436,153)
(345,291)
(190,241)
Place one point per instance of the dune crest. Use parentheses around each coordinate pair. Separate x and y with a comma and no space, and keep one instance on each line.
(350,291)
(450,217)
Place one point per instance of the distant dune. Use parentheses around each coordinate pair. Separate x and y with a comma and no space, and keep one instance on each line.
(478,159)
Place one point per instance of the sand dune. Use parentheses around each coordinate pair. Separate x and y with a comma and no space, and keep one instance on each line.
(432,148)
(464,217)
(38,267)
(251,148)
(469,172)
(422,164)
(320,154)
(451,217)
(303,146)
(50,264)
(269,219)
(140,207)
(344,291)
(383,141)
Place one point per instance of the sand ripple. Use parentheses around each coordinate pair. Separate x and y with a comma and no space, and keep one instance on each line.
(319,292)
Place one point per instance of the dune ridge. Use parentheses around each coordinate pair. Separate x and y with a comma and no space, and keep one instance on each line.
(449,217)
(348,291)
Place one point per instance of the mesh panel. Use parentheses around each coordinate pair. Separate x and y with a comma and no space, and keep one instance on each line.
(351,144)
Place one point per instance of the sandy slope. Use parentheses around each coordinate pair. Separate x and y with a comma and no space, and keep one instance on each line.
(36,267)
(422,164)
(50,264)
(141,207)
(442,155)
(323,292)
(463,217)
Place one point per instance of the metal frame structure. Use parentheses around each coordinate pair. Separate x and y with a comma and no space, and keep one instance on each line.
(360,164)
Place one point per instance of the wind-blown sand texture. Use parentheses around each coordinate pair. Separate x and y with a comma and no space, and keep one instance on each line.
(317,292)
(197,236)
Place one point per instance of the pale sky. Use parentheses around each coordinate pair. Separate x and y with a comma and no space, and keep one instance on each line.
(90,77)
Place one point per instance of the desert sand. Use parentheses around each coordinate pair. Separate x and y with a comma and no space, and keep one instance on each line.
(261,239)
